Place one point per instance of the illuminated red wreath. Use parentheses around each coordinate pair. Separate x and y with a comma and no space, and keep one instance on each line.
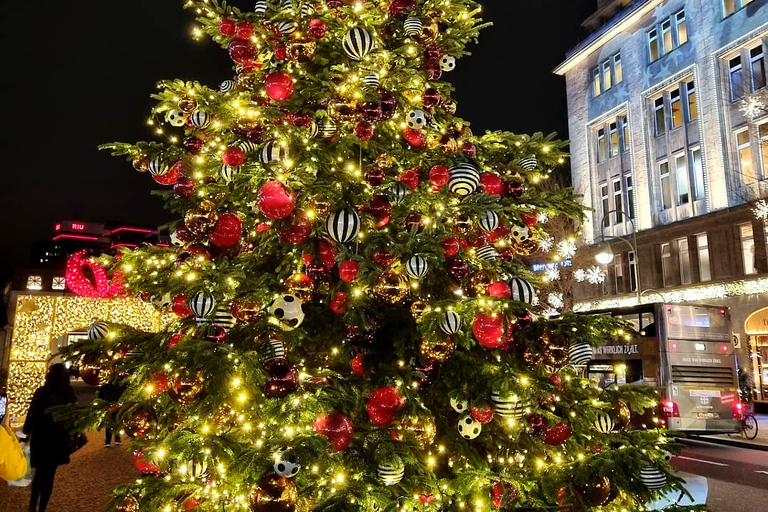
(96,285)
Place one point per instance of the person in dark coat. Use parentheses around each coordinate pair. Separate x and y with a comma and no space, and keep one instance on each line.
(111,392)
(49,440)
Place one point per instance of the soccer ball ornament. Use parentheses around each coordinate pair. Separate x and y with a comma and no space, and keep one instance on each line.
(287,309)
(447,62)
(176,118)
(284,466)
(416,119)
(469,427)
(520,234)
(459,406)
(98,331)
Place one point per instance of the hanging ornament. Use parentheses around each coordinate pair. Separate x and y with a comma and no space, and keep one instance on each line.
(597,493)
(274,153)
(447,62)
(180,307)
(274,201)
(301,286)
(419,308)
(499,290)
(227,85)
(414,137)
(364,130)
(193,145)
(298,230)
(138,424)
(509,406)
(487,252)
(243,30)
(489,220)
(451,246)
(327,129)
(283,378)
(279,85)
(483,414)
(417,267)
(604,423)
(200,119)
(439,176)
(184,187)
(528,163)
(202,305)
(317,28)
(342,110)
(450,322)
(286,28)
(416,119)
(223,318)
(158,167)
(357,43)
(488,330)
(201,219)
(624,416)
(142,464)
(176,118)
(371,111)
(479,280)
(457,268)
(391,288)
(382,405)
(557,435)
(460,406)
(127,504)
(327,253)
(98,331)
(469,428)
(555,350)
(91,375)
(397,193)
(380,209)
(391,473)
(522,290)
(227,231)
(285,465)
(421,427)
(410,177)
(348,270)
(188,104)
(436,349)
(580,353)
(273,493)
(339,303)
(233,156)
(653,478)
(185,387)
(288,310)
(273,348)
(464,179)
(246,309)
(343,225)
(430,98)
(412,26)
(337,427)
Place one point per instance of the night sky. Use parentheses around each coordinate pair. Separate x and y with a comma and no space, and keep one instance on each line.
(79,74)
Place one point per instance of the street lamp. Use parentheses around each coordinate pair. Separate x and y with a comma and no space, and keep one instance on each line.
(605,254)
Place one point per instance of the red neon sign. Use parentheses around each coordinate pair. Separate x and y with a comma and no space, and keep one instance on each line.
(134,230)
(57,227)
(77,237)
(77,226)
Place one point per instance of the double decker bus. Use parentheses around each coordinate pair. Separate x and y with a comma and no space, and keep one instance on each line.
(686,352)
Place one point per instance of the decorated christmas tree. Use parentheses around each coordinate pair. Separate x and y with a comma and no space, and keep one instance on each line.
(351,324)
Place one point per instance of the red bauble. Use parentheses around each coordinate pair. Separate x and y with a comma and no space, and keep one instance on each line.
(233,156)
(557,435)
(226,27)
(499,290)
(493,185)
(180,307)
(400,8)
(327,253)
(388,103)
(190,504)
(339,303)
(281,53)
(524,320)
(174,340)
(371,111)
(283,378)
(457,268)
(364,130)
(243,30)
(488,330)
(279,86)
(274,201)
(381,209)
(348,270)
(143,465)
(537,424)
(482,414)
(530,218)
(439,175)
(227,231)
(410,177)
(497,234)
(242,52)
(301,119)
(382,405)
(337,427)
(193,145)
(473,240)
(433,69)
(317,28)
(556,380)
(375,176)
(503,494)
(451,246)
(430,98)
(515,189)
(432,53)
(415,138)
(298,230)
(216,334)
(184,187)
(468,149)
(358,366)
(414,220)
(172,175)
(159,383)
(383,258)
(316,271)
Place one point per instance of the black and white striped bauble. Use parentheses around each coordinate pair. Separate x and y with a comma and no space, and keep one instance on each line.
(287,4)
(604,423)
(248,146)
(398,192)
(327,129)
(98,330)
(223,317)
(306,9)
(196,469)
(273,152)
(391,474)
(412,26)
(580,353)
(200,119)
(450,322)
(228,172)
(653,478)
(508,406)
(371,82)
(286,28)
(357,43)
(522,290)
(464,179)
(416,267)
(158,167)
(343,226)
(489,220)
(227,85)
(487,252)
(260,7)
(528,163)
(272,349)
(313,130)
(202,305)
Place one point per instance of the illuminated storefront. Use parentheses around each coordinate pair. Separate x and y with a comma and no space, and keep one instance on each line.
(756,328)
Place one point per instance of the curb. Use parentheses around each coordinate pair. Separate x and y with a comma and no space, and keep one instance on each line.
(728,442)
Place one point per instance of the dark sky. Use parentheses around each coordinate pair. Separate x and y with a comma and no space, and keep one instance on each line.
(78,74)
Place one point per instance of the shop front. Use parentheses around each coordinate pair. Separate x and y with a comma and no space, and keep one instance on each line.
(756,329)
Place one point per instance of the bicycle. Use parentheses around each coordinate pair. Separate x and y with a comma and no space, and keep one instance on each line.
(748,425)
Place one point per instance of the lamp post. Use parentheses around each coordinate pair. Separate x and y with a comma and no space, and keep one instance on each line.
(605,254)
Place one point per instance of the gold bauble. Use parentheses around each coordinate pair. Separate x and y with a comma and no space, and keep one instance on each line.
(463,224)
(422,427)
(532,359)
(320,205)
(429,33)
(436,349)
(301,50)
(246,124)
(479,281)
(186,387)
(138,424)
(92,375)
(419,308)
(301,285)
(384,161)
(225,417)
(342,110)
(624,416)
(391,288)
(274,493)
(188,104)
(449,105)
(246,309)
(201,219)
(245,81)
(555,349)
(524,248)
(140,164)
(127,504)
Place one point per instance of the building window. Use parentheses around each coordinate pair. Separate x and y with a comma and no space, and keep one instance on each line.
(681,28)
(676,109)
(653,45)
(613,148)
(666,36)
(632,271)
(607,75)
(762,132)
(659,115)
(617,202)
(736,78)
(748,249)
(744,148)
(601,145)
(666,186)
(685,261)
(618,74)
(624,133)
(34,283)
(690,90)
(702,248)
(606,204)
(59,283)
(698,174)
(757,67)
(731,6)
(666,264)
(619,272)
(596,81)
(630,198)
(681,175)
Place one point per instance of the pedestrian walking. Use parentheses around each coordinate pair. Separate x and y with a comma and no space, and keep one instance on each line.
(13,463)
(111,392)
(49,439)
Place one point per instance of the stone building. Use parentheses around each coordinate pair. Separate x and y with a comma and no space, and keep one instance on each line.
(669,140)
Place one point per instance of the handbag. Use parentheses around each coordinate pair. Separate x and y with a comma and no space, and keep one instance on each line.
(25,480)
(76,442)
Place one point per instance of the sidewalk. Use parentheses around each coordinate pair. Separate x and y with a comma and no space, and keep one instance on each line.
(758,443)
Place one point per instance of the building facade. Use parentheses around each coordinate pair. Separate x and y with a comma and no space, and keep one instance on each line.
(669,144)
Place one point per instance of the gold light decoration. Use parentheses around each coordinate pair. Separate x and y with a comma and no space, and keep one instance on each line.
(422,427)
(273,493)
(391,288)
(479,281)
(202,218)
(127,504)
(436,349)
(419,308)
(186,387)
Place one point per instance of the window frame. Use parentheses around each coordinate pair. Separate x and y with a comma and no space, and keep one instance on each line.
(652,38)
(752,60)
(34,282)
(618,199)
(596,84)
(667,194)
(605,202)
(675,101)
(659,115)
(735,70)
(703,249)
(682,189)
(667,36)
(666,259)
(697,172)
(613,139)
(632,262)
(751,269)
(741,150)
(59,283)
(763,148)
(618,71)
(602,150)
(607,75)
(679,20)
(618,272)
(625,134)
(692,103)
(629,189)
(684,260)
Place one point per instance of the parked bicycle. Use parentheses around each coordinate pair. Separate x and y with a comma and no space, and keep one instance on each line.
(748,425)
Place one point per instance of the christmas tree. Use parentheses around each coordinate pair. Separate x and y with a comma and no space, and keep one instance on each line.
(351,324)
